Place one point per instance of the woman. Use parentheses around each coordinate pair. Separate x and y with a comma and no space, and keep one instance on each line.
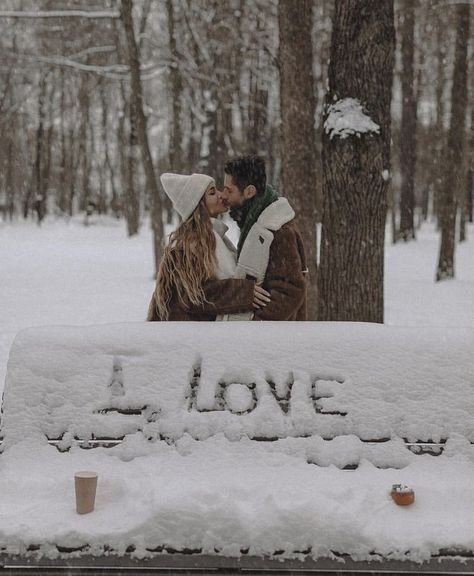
(195,274)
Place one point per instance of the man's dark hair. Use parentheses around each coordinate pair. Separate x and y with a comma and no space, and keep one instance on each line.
(246,171)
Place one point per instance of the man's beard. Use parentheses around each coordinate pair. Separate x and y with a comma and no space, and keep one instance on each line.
(239,213)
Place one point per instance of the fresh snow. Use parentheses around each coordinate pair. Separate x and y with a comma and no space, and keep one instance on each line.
(228,496)
(191,472)
(346,117)
(374,381)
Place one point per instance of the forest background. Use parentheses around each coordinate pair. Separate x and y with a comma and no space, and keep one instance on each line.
(97,98)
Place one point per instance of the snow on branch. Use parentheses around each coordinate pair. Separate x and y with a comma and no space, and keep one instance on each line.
(346,117)
(121,69)
(112,71)
(59,14)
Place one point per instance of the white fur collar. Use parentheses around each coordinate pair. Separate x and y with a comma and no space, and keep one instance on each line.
(276,215)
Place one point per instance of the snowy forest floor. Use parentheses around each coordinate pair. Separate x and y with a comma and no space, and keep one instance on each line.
(68,274)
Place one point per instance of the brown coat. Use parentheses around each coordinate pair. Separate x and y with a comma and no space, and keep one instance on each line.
(229,296)
(286,277)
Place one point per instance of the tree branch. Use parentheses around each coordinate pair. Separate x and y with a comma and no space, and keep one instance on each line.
(60,14)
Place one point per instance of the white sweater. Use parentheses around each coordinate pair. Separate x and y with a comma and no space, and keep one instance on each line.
(226,254)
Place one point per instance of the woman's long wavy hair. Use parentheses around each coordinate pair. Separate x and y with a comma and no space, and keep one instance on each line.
(189,260)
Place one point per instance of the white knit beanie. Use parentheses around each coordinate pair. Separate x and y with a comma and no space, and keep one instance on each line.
(185,191)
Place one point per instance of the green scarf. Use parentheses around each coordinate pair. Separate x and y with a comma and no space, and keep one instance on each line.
(247,214)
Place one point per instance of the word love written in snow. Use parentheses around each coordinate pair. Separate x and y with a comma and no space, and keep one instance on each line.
(240,397)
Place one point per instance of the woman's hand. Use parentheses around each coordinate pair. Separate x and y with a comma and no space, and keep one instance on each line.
(260,297)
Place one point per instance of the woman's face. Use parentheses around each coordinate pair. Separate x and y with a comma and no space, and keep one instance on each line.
(213,201)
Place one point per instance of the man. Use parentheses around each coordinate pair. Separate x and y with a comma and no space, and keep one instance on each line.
(270,248)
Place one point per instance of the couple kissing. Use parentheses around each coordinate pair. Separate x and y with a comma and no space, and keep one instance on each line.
(203,277)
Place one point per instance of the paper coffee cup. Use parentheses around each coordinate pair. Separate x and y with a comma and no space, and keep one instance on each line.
(86,486)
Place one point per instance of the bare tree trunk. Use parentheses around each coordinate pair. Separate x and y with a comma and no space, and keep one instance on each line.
(105,140)
(470,170)
(9,184)
(298,173)
(137,100)
(48,154)
(424,176)
(212,159)
(176,88)
(132,194)
(258,105)
(393,212)
(102,151)
(62,196)
(408,127)
(356,167)
(47,167)
(239,61)
(194,143)
(465,193)
(227,80)
(123,144)
(39,199)
(453,181)
(72,165)
(83,156)
(439,128)
(129,146)
(175,154)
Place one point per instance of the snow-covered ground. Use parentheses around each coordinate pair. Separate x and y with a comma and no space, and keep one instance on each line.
(193,471)
(69,274)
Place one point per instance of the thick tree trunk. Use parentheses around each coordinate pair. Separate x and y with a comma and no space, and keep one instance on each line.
(298,170)
(137,99)
(356,167)
(453,181)
(408,126)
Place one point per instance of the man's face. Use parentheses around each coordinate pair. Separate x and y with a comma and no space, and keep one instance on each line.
(232,196)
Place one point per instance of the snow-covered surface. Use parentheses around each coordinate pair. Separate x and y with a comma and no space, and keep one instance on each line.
(375,381)
(227,492)
(194,472)
(229,496)
(346,117)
